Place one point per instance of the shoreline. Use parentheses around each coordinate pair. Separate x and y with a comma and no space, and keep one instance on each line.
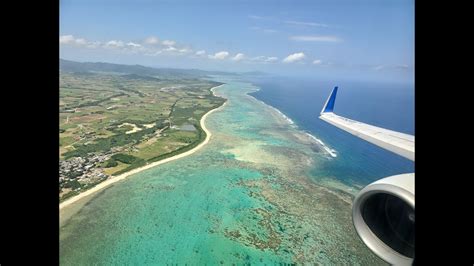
(115,179)
(332,152)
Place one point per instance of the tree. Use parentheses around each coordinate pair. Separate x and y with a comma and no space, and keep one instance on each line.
(111,163)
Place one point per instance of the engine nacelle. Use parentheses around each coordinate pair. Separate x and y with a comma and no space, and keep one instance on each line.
(383,214)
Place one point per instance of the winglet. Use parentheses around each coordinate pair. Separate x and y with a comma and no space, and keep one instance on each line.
(329,105)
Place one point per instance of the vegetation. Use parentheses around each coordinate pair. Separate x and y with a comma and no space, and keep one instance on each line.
(73,184)
(73,174)
(133,113)
(137,163)
(105,144)
(110,163)
(124,158)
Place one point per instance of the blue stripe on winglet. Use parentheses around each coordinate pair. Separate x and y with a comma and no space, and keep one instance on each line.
(332,99)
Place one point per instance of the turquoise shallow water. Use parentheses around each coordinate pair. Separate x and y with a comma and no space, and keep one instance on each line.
(246,197)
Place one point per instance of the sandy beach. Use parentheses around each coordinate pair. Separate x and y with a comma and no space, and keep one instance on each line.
(137,170)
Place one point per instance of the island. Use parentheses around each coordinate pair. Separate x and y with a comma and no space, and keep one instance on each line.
(116,120)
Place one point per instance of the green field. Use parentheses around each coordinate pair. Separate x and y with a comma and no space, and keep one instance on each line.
(103,114)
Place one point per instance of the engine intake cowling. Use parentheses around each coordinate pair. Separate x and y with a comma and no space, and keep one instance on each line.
(383,214)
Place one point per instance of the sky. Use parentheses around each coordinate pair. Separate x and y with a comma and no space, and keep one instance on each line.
(365,39)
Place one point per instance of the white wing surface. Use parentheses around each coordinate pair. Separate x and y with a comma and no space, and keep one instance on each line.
(397,142)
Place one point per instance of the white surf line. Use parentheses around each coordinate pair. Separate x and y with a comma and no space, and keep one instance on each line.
(330,151)
(115,179)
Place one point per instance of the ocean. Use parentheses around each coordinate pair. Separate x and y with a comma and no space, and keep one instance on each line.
(387,105)
(273,185)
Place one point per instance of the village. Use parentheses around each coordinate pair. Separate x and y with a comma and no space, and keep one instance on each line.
(78,172)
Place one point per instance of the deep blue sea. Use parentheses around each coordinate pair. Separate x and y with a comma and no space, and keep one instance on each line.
(388,105)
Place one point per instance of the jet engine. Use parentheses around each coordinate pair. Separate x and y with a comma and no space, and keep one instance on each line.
(383,214)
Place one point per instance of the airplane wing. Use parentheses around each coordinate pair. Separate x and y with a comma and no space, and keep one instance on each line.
(397,142)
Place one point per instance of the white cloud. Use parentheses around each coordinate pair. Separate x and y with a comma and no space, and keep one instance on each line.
(317,62)
(154,54)
(132,47)
(114,44)
(258,58)
(302,23)
(132,44)
(220,55)
(264,59)
(170,49)
(185,50)
(152,40)
(69,39)
(81,41)
(269,30)
(258,17)
(93,45)
(201,52)
(315,38)
(66,39)
(294,58)
(264,30)
(271,59)
(159,48)
(168,42)
(399,67)
(238,57)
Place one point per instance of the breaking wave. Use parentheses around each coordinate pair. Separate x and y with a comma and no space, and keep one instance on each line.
(291,122)
(330,151)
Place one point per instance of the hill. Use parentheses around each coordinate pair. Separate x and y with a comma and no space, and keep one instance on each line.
(138,70)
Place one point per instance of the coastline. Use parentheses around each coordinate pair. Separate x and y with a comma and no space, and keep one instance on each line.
(332,152)
(115,179)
